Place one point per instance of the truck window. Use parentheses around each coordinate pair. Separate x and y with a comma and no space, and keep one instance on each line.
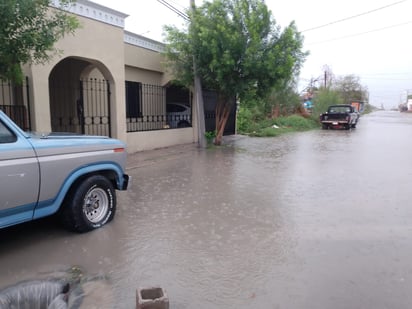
(6,136)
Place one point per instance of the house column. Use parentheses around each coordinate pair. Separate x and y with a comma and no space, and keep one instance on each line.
(39,98)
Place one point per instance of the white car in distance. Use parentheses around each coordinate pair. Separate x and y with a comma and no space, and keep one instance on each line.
(179,115)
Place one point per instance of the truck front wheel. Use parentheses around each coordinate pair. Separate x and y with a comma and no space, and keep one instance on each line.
(89,204)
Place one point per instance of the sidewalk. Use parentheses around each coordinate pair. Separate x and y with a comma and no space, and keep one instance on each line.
(149,157)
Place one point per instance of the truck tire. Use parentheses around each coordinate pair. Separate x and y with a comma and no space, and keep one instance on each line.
(89,204)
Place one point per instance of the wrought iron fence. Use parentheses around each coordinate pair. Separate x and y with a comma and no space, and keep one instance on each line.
(88,104)
(15,102)
(151,107)
(80,106)
(148,109)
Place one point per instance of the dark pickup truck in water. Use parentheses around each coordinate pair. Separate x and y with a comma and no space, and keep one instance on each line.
(339,116)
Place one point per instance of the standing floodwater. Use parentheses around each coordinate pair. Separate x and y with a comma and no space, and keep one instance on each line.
(319,219)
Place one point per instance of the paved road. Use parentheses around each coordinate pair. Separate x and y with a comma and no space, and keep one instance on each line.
(320,219)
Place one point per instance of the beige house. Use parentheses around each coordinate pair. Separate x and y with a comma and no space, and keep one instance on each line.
(106,81)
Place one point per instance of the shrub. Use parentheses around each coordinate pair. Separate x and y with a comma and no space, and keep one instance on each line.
(287,124)
(323,99)
(296,122)
(248,120)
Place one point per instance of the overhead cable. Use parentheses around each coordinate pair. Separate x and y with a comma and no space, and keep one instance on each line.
(177,4)
(174,9)
(354,16)
(361,33)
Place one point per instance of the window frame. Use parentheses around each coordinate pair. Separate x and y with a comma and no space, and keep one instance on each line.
(7,136)
(133,92)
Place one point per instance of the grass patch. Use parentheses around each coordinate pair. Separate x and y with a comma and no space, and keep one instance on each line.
(281,125)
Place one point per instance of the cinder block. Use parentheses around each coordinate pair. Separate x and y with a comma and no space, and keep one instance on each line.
(151,298)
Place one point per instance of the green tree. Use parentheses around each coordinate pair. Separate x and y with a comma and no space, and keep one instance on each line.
(239,51)
(350,88)
(283,100)
(28,31)
(324,98)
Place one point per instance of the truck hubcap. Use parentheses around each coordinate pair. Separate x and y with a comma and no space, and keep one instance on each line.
(95,205)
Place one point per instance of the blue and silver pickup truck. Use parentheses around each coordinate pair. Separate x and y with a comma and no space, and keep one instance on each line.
(73,176)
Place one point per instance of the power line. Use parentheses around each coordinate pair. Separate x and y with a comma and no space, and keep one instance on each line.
(380,74)
(174,9)
(177,4)
(386,79)
(361,33)
(354,16)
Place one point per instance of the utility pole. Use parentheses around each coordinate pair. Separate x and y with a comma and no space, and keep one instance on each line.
(198,93)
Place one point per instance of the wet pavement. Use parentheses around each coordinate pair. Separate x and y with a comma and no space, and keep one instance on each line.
(319,219)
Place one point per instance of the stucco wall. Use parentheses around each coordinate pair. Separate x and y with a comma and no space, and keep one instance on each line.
(111,50)
(143,58)
(143,76)
(98,43)
(148,61)
(148,140)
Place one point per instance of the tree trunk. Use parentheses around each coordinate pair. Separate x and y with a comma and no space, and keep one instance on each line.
(223,108)
(275,111)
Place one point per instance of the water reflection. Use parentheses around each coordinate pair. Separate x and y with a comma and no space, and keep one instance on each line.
(209,227)
(317,219)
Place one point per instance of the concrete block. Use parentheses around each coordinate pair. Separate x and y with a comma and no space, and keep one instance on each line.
(151,298)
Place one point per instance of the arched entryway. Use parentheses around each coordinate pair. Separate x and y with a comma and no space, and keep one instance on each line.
(80,97)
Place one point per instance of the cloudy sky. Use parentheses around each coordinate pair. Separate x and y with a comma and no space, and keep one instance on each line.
(370,39)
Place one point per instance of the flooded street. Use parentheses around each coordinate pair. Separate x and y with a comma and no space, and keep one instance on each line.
(320,219)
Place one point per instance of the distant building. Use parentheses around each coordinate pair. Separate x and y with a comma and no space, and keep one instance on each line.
(409,105)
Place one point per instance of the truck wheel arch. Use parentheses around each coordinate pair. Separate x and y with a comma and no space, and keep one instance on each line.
(89,204)
(109,171)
